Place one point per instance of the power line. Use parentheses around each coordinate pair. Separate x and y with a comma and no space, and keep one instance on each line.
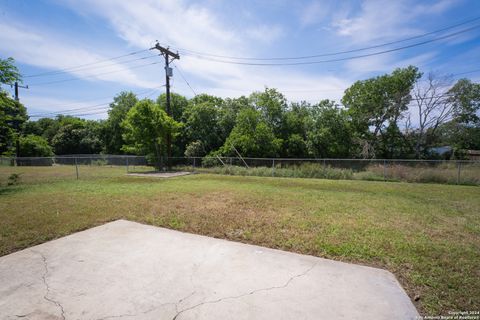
(187,51)
(94,75)
(86,64)
(181,75)
(98,99)
(83,109)
(310,90)
(91,67)
(342,59)
(462,73)
(71,110)
(99,106)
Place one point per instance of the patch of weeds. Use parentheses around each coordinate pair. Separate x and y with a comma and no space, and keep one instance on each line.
(13,179)
(176,223)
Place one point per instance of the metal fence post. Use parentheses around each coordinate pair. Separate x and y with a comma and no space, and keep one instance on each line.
(194,164)
(273,168)
(459,166)
(127,162)
(384,170)
(76,167)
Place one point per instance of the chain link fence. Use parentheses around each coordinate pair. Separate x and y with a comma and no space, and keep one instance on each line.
(422,171)
(34,169)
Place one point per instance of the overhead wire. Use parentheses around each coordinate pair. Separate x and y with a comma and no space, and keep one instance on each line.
(344,58)
(201,56)
(181,75)
(86,64)
(99,106)
(188,51)
(96,99)
(102,112)
(93,76)
(95,67)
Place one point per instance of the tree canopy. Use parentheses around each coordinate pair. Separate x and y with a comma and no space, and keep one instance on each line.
(398,115)
(147,126)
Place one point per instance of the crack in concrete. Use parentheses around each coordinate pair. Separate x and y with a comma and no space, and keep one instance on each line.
(47,287)
(183,299)
(118,316)
(245,294)
(151,309)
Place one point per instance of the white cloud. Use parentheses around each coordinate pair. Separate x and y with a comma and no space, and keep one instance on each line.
(265,34)
(437,7)
(315,12)
(378,19)
(387,62)
(46,50)
(172,22)
(197,28)
(375,20)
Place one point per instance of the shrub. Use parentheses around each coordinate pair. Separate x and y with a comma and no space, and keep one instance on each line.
(306,170)
(13,179)
(34,146)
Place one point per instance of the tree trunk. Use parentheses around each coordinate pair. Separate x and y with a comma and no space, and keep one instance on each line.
(159,157)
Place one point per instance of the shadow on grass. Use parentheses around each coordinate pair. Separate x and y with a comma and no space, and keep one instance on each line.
(6,190)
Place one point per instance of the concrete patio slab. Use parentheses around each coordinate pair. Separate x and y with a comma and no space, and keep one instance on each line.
(156,174)
(132,271)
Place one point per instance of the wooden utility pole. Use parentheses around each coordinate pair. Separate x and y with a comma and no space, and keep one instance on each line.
(17,124)
(167,54)
(16,86)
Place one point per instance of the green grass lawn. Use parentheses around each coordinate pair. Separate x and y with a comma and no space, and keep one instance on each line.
(428,235)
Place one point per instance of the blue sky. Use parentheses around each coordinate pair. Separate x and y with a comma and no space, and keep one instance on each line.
(48,36)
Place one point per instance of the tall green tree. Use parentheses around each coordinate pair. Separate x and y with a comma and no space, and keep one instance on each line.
(437,103)
(465,100)
(45,127)
(9,72)
(13,114)
(113,130)
(329,133)
(377,103)
(272,105)
(459,136)
(77,136)
(201,98)
(34,146)
(252,136)
(228,111)
(202,124)
(294,131)
(178,104)
(146,128)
